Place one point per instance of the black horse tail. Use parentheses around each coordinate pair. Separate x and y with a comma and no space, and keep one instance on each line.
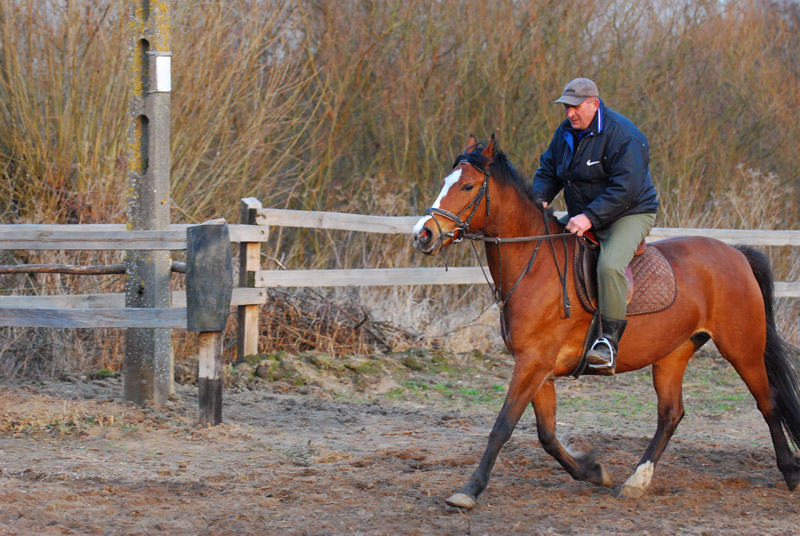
(781,359)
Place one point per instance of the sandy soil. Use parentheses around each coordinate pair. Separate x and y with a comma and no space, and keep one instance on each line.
(376,450)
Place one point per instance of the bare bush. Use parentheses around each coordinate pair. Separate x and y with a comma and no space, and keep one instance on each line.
(361,107)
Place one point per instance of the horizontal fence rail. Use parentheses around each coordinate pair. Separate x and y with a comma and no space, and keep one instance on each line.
(462,275)
(459,275)
(374,277)
(335,220)
(109,236)
(92,318)
(73,269)
(240,296)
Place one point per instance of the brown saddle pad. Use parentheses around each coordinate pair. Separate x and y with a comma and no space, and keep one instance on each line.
(650,275)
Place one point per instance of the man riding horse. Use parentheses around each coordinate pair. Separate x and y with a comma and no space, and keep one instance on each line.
(601,160)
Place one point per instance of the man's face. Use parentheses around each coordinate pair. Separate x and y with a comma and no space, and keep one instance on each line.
(580,116)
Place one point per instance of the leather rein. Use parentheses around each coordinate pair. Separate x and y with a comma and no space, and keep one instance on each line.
(461,232)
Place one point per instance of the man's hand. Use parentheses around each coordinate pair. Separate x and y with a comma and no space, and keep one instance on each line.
(579,224)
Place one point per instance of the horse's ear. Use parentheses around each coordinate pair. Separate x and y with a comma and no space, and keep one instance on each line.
(472,144)
(490,149)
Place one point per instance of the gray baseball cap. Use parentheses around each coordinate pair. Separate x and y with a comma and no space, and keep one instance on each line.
(578,90)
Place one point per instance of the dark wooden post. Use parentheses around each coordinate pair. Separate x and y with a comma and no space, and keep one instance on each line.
(148,352)
(209,286)
(210,377)
(249,263)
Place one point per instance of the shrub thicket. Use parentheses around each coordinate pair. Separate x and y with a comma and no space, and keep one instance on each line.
(360,106)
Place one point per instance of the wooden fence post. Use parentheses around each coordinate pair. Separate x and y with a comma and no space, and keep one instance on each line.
(209,285)
(148,351)
(249,264)
(210,377)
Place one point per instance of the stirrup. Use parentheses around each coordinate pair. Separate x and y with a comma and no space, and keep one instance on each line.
(611,364)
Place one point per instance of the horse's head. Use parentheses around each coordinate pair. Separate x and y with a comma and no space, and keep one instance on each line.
(463,203)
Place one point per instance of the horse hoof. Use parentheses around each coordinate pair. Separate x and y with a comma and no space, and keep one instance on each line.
(792,474)
(630,492)
(462,500)
(595,472)
(637,484)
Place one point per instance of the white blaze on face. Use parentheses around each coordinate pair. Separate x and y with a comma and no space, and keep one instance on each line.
(449,181)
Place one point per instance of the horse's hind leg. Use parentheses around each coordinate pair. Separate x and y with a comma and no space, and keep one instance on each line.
(668,382)
(584,468)
(745,356)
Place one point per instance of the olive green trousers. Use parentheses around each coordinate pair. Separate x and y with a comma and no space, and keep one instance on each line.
(618,243)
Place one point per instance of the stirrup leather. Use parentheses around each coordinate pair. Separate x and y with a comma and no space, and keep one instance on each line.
(612,362)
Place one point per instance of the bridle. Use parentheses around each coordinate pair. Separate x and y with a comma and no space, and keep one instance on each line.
(472,206)
(461,231)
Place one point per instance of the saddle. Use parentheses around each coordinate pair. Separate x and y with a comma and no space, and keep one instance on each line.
(651,279)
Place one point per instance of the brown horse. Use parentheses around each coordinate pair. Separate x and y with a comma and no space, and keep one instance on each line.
(724,294)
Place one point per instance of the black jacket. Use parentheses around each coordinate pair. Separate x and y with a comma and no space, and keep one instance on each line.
(609,175)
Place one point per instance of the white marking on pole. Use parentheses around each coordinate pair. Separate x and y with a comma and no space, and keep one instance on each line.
(207,349)
(163,73)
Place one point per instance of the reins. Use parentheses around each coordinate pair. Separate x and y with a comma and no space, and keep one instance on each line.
(549,237)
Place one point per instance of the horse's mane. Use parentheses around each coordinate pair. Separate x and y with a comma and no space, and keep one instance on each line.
(500,168)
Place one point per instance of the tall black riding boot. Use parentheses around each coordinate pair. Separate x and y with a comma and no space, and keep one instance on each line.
(603,355)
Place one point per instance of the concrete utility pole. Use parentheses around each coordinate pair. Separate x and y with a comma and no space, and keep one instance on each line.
(148,352)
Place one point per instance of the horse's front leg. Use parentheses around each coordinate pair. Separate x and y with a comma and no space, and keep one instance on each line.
(524,384)
(584,468)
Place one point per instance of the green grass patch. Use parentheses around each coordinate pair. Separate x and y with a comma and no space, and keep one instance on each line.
(424,391)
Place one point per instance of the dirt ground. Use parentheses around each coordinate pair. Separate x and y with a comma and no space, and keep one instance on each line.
(348,446)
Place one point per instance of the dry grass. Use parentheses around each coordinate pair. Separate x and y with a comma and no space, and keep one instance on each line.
(25,411)
(361,107)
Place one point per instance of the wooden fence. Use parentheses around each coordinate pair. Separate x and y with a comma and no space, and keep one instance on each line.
(108,310)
